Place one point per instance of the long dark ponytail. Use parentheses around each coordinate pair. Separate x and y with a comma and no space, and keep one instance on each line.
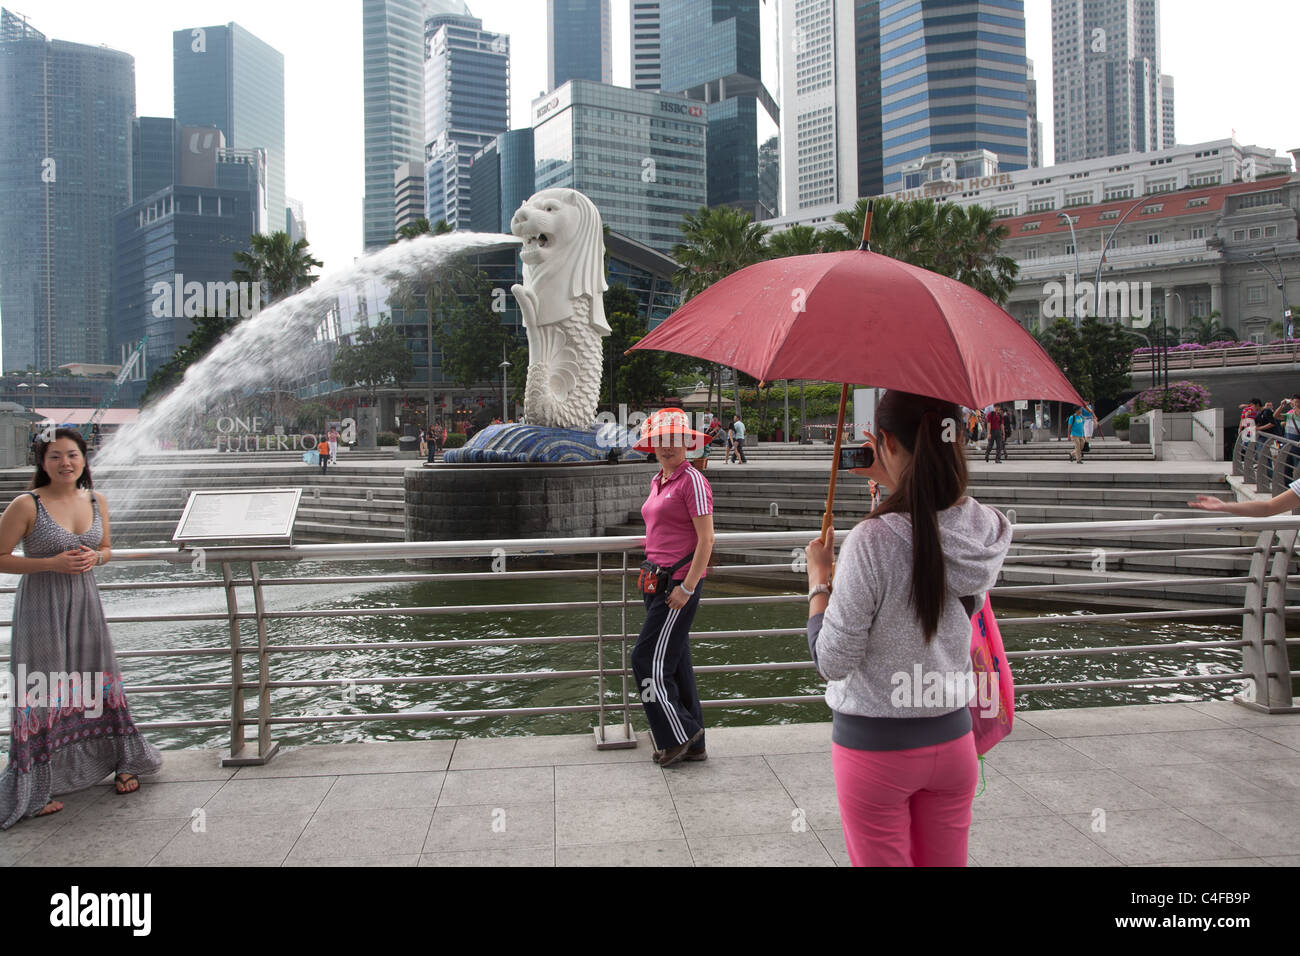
(933,480)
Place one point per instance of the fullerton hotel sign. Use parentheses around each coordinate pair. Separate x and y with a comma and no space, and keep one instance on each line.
(942,187)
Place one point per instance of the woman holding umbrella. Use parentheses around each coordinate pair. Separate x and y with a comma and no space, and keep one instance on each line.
(678,516)
(909,578)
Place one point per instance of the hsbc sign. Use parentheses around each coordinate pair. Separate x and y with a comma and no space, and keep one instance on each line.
(684,109)
(548,106)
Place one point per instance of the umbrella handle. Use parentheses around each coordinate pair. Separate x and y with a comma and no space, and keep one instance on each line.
(828,518)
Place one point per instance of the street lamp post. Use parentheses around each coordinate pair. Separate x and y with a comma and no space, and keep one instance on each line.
(1069,221)
(1096,308)
(1281,287)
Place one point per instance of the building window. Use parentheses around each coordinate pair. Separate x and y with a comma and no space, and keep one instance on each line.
(1198,232)
(1255,294)
(1069,248)
(1256,232)
(1152,209)
(1153,238)
(1200,201)
(1270,231)
(1108,214)
(1031,253)
(1239,235)
(1031,226)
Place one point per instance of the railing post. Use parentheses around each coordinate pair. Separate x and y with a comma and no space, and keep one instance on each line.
(236,670)
(265,748)
(1238,454)
(611,738)
(1263,626)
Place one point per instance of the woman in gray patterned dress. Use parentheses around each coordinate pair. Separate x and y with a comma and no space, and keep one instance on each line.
(69,722)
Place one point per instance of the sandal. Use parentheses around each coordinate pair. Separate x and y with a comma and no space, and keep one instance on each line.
(123,781)
(52,807)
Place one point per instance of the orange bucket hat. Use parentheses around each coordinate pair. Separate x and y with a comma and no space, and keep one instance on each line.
(668,427)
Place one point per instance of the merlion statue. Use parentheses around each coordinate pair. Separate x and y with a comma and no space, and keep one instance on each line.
(562,304)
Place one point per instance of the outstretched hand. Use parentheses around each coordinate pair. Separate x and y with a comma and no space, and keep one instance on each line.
(1207,503)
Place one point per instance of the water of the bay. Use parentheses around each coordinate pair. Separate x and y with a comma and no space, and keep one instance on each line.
(517,621)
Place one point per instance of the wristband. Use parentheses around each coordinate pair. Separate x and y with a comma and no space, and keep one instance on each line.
(688,593)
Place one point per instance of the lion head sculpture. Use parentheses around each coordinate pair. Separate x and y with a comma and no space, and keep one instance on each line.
(563,254)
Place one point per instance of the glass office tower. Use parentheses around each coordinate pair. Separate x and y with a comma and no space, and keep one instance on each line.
(638,156)
(952,81)
(227,78)
(65,170)
(724,53)
(578,42)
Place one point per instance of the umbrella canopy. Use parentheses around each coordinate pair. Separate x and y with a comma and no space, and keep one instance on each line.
(864,318)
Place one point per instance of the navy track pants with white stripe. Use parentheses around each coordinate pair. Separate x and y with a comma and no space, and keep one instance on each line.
(665,679)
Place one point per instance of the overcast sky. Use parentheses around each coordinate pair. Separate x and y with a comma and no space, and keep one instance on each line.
(1234,67)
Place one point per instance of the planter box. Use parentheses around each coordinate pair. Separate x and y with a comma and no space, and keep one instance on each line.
(1122,435)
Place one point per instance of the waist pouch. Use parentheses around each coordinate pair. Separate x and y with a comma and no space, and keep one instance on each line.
(653,579)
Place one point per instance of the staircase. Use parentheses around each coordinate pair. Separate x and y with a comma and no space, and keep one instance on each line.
(1102,449)
(754,498)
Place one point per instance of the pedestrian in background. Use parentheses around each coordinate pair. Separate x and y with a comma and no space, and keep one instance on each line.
(997,436)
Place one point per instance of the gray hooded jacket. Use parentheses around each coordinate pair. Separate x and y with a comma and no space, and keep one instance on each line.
(870,646)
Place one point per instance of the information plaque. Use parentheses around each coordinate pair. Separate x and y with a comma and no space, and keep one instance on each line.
(237,515)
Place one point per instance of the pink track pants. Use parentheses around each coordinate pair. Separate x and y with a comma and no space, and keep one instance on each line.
(907,807)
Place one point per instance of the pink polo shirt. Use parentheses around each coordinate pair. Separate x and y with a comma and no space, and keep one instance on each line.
(668,510)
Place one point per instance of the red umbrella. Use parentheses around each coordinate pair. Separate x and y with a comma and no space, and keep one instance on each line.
(862,317)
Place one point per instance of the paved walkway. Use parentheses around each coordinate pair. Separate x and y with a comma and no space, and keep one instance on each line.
(1202,784)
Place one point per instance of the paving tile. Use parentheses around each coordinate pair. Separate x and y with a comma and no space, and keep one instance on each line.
(406,859)
(1033,841)
(1023,727)
(97,842)
(717,814)
(1193,784)
(159,801)
(833,840)
(1244,861)
(768,739)
(1262,828)
(363,833)
(1237,744)
(180,766)
(1026,756)
(498,787)
(269,795)
(1147,750)
(1003,798)
(820,805)
(384,791)
(1166,835)
(629,819)
(234,839)
(1288,736)
(803,771)
(501,826)
(610,781)
(1079,791)
(509,856)
(761,849)
(476,753)
(721,774)
(1281,778)
(1238,716)
(377,756)
(641,853)
(1131,718)
(1282,860)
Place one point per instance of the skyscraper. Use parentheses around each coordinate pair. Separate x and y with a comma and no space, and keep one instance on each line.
(819,141)
(649,168)
(644,28)
(466,106)
(1032,124)
(579,42)
(1167,140)
(724,53)
(1107,90)
(173,250)
(866,30)
(227,78)
(953,82)
(392,41)
(65,170)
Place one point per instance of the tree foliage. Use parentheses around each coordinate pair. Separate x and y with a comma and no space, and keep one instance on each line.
(281,266)
(378,357)
(1096,358)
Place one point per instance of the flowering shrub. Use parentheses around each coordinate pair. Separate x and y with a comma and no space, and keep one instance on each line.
(1197,346)
(1178,397)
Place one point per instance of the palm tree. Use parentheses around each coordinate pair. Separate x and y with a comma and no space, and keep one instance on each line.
(1205,329)
(956,241)
(715,243)
(283,267)
(801,241)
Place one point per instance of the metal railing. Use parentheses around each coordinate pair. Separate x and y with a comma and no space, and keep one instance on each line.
(1269,462)
(1262,609)
(1288,352)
